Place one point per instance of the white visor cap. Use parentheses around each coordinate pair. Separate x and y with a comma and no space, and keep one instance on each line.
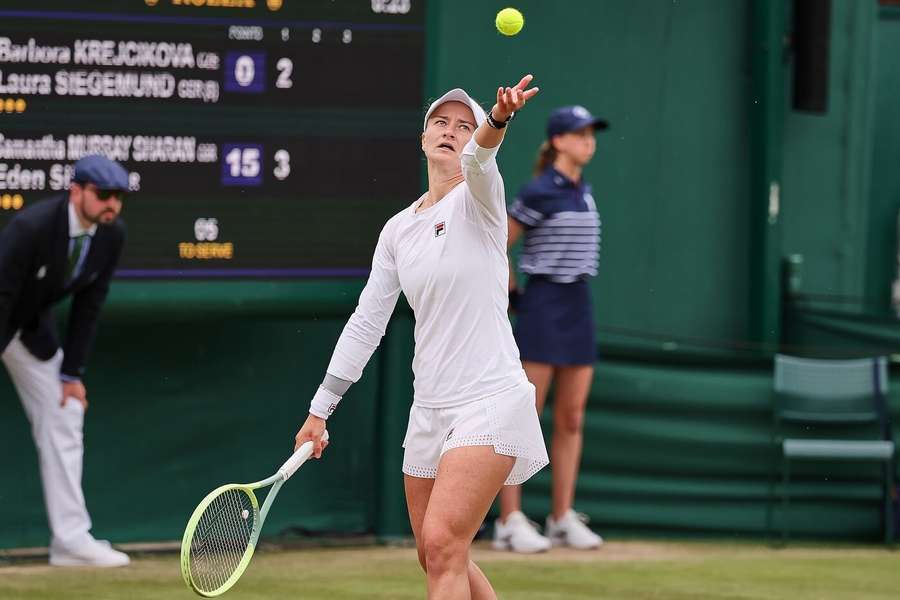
(456,95)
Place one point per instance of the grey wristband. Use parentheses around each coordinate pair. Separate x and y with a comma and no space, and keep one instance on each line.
(336,385)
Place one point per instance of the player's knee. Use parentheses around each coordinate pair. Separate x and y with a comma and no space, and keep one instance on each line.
(442,549)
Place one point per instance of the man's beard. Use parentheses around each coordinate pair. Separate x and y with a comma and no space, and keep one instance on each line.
(99,218)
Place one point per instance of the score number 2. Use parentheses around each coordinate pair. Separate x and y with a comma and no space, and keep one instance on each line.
(285,67)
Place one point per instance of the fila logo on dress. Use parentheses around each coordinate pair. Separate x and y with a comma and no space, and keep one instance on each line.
(439,229)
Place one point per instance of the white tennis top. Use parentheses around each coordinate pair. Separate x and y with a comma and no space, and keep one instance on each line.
(450,261)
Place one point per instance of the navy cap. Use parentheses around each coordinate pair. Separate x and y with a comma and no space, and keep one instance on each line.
(106,174)
(572,118)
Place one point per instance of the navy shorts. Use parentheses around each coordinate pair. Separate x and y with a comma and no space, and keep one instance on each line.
(555,323)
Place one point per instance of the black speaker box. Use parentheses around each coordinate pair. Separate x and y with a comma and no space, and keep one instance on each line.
(810,43)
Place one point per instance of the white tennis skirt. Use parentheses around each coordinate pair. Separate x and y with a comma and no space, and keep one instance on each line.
(507,421)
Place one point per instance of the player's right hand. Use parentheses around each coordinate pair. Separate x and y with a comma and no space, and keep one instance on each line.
(313,429)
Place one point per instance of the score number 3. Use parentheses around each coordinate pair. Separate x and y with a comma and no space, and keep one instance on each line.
(283,166)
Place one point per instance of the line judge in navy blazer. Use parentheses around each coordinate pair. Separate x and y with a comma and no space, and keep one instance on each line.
(67,245)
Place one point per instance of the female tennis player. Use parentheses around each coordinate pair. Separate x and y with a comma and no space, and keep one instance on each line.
(473,425)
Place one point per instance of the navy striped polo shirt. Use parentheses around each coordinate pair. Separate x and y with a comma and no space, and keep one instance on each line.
(562,236)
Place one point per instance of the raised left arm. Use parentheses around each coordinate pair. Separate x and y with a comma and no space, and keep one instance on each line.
(479,164)
(509,100)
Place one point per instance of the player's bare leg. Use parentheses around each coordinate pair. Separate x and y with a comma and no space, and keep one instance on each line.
(468,479)
(540,376)
(418,492)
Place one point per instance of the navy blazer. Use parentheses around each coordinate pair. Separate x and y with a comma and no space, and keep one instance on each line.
(34,249)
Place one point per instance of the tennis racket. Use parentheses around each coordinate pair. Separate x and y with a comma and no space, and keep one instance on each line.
(221,534)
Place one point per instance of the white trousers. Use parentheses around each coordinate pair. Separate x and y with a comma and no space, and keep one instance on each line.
(58,435)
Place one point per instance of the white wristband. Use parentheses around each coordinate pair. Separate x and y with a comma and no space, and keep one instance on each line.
(323,403)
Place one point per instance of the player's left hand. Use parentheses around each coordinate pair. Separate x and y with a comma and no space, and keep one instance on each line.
(510,100)
(74,390)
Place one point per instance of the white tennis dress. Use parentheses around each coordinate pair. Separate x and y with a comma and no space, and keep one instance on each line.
(450,261)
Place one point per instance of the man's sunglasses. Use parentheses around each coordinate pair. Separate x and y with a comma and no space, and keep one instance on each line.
(105,195)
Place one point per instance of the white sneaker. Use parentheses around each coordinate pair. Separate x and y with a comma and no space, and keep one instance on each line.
(518,534)
(572,530)
(88,552)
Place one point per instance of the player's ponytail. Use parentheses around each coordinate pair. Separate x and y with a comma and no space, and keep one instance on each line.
(546,155)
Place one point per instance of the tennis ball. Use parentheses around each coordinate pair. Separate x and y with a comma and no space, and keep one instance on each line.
(509,21)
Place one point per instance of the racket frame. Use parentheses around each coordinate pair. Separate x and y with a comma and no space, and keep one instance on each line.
(259,516)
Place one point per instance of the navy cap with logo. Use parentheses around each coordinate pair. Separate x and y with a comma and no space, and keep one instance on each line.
(572,118)
(106,174)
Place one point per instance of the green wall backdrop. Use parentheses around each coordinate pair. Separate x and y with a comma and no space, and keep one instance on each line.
(671,175)
(885,177)
(827,158)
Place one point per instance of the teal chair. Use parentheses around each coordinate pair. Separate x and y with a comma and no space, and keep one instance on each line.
(830,394)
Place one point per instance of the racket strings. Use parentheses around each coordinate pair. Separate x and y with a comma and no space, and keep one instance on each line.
(221,538)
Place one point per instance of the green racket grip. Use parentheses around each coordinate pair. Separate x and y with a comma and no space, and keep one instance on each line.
(299,457)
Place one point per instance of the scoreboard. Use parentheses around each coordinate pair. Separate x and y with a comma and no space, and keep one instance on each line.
(263,138)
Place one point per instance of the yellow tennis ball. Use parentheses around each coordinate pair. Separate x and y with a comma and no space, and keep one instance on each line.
(509,21)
